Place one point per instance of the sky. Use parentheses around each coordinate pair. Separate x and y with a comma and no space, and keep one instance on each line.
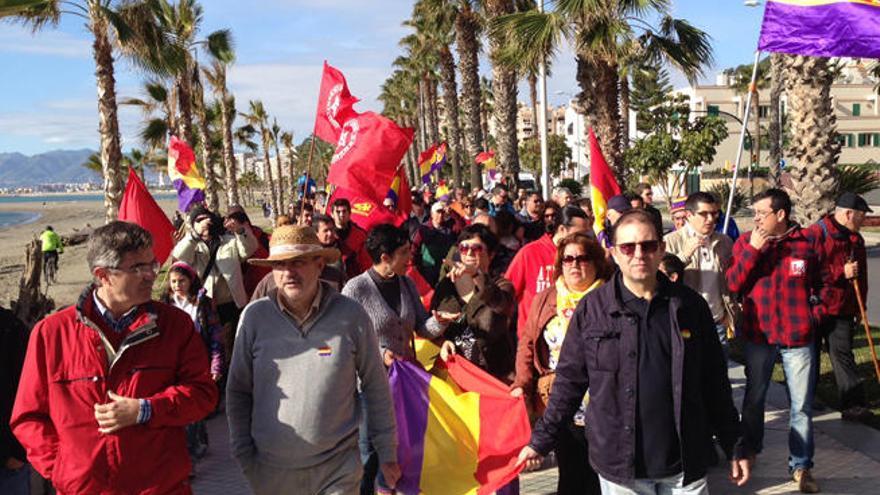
(48,98)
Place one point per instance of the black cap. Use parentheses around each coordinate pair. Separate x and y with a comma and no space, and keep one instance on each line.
(853,201)
(619,203)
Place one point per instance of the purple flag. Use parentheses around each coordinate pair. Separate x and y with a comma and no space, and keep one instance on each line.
(822,28)
(187,197)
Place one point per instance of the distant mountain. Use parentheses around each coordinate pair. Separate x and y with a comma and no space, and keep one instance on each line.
(52,167)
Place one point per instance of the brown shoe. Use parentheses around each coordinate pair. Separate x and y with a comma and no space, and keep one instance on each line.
(806,482)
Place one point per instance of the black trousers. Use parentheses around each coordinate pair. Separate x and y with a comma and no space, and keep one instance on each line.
(576,476)
(837,332)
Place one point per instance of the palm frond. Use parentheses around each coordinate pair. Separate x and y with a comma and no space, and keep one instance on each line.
(35,14)
(221,46)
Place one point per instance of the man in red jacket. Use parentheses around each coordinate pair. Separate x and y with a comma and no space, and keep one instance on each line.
(355,258)
(776,274)
(531,270)
(109,384)
(844,261)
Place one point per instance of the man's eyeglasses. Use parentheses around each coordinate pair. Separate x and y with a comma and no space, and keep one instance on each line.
(141,269)
(760,215)
(570,260)
(629,248)
(470,248)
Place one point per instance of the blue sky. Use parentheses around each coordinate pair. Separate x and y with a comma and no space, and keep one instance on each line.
(48,96)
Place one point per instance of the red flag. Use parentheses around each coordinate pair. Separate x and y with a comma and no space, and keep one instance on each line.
(138,206)
(335,105)
(404,202)
(368,154)
(603,185)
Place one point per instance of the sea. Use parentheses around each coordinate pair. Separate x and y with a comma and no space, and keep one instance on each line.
(12,218)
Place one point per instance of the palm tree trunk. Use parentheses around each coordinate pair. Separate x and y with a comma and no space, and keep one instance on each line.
(434,127)
(184,97)
(504,93)
(211,196)
(757,161)
(468,49)
(267,173)
(423,116)
(291,173)
(599,97)
(229,163)
(533,98)
(108,127)
(775,127)
(624,113)
(450,106)
(281,195)
(814,139)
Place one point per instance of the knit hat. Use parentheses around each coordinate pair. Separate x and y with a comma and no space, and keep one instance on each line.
(198,211)
(678,204)
(290,242)
(619,203)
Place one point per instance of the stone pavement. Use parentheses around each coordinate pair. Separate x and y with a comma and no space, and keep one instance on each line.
(847,457)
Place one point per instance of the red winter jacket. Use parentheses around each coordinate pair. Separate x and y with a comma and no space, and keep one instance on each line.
(531,272)
(779,286)
(67,371)
(354,253)
(839,244)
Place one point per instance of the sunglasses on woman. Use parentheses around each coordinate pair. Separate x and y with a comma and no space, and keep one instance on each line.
(629,248)
(470,248)
(570,260)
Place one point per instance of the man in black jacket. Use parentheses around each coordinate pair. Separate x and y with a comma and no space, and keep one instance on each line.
(647,352)
(15,475)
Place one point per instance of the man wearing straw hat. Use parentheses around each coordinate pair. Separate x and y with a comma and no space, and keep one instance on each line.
(301,356)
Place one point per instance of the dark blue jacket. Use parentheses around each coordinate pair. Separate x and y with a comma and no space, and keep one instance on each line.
(600,353)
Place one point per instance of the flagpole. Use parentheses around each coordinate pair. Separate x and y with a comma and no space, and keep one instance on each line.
(302,201)
(542,122)
(742,142)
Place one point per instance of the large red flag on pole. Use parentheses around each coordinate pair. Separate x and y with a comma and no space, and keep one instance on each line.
(603,185)
(138,206)
(368,154)
(335,105)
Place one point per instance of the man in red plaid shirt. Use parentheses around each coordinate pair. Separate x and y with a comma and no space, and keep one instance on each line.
(776,274)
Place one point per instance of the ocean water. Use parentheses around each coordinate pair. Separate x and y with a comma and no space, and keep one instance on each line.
(57,198)
(10,218)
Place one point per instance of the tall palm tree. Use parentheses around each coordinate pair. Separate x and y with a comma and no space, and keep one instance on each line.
(504,91)
(814,146)
(206,147)
(276,141)
(603,34)
(400,103)
(774,130)
(158,106)
(287,141)
(467,30)
(107,21)
(216,76)
(258,118)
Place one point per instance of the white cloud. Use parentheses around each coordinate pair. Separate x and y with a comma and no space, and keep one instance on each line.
(17,39)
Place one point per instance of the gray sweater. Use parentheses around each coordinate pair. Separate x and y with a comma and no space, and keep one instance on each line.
(394,331)
(291,395)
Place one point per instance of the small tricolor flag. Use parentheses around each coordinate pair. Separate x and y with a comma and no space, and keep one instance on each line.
(185,174)
(458,429)
(487,160)
(603,186)
(442,192)
(431,160)
(325,351)
(822,28)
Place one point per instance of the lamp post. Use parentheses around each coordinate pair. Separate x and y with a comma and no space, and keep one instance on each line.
(542,122)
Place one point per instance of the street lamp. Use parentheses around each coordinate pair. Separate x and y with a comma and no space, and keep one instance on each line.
(578,140)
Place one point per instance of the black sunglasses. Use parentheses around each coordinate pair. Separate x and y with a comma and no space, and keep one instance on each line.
(570,260)
(648,247)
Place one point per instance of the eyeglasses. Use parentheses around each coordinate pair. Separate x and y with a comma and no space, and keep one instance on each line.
(141,269)
(471,248)
(629,248)
(570,260)
(760,215)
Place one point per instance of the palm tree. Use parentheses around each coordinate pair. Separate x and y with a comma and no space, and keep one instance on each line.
(258,118)
(216,76)
(467,30)
(276,138)
(158,107)
(504,91)
(814,146)
(106,20)
(774,130)
(604,34)
(287,141)
(206,147)
(400,104)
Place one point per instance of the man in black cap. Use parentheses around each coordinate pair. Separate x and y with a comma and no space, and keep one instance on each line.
(844,266)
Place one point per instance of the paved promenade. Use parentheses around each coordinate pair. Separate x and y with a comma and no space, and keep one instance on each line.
(847,457)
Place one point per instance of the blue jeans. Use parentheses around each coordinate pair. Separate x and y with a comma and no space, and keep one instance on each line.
(16,482)
(799,364)
(672,485)
(372,478)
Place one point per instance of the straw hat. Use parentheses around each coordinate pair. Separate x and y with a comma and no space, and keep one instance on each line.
(290,242)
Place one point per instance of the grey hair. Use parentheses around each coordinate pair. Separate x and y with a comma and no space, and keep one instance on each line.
(108,244)
(560,190)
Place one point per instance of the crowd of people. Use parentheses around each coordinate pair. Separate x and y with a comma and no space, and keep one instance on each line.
(617,342)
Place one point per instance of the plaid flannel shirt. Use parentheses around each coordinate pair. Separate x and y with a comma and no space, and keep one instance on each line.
(779,288)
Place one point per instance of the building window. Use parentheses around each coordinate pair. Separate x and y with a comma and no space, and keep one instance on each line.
(712,110)
(846,140)
(877,139)
(570,130)
(856,109)
(763,111)
(864,140)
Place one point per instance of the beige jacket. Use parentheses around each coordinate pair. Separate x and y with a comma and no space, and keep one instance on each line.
(721,247)
(233,251)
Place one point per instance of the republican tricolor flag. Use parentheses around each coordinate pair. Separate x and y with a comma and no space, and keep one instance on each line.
(822,28)
(431,160)
(185,174)
(458,429)
(603,186)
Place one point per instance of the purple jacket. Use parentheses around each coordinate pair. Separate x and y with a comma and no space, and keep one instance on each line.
(600,353)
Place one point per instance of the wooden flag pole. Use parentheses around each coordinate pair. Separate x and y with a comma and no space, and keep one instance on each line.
(742,142)
(302,201)
(867,328)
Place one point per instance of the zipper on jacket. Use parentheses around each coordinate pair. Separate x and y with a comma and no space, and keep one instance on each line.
(82,379)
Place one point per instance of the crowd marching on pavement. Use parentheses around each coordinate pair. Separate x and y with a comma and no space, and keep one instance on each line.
(617,343)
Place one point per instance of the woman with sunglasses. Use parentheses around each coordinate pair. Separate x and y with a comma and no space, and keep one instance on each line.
(482,334)
(581,265)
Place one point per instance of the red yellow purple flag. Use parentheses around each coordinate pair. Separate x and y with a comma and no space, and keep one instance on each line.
(822,28)
(603,186)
